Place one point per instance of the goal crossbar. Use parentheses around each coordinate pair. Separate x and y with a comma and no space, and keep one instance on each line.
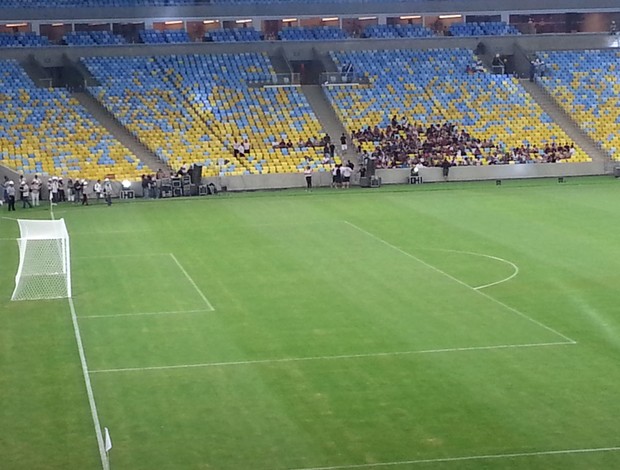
(44,270)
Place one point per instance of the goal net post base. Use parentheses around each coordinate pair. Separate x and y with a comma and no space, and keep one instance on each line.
(44,270)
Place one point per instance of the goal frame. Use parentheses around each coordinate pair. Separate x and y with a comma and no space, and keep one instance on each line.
(44,270)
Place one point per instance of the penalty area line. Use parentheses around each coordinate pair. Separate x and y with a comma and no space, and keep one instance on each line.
(191,281)
(327,358)
(513,455)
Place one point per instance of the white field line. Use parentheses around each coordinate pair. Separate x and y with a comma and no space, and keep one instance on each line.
(89,389)
(472,457)
(172,312)
(458,281)
(483,255)
(327,358)
(189,278)
(129,255)
(112,232)
(105,464)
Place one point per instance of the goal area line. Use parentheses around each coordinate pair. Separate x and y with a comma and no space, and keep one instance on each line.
(177,263)
(335,357)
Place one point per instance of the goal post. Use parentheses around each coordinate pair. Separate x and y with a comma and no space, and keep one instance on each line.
(44,270)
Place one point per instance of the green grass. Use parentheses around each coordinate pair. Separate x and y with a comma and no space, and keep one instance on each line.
(347,331)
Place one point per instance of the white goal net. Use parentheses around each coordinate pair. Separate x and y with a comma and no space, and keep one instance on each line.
(44,270)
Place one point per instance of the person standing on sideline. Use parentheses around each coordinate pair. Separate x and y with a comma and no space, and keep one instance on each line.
(77,189)
(335,176)
(445,165)
(25,190)
(61,191)
(346,176)
(10,194)
(84,195)
(145,187)
(54,190)
(97,189)
(308,175)
(5,186)
(35,190)
(107,191)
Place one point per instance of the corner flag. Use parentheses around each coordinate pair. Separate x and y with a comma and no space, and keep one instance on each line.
(108,441)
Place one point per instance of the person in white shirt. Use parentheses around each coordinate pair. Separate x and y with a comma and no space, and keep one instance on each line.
(54,190)
(308,176)
(346,176)
(35,190)
(10,193)
(97,188)
(25,190)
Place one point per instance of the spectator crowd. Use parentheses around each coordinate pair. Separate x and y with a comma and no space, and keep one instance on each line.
(404,144)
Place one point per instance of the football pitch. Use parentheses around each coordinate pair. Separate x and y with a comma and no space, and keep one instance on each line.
(446,326)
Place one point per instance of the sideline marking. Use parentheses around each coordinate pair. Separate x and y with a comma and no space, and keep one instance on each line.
(449,276)
(105,463)
(483,255)
(324,358)
(204,297)
(471,457)
(173,312)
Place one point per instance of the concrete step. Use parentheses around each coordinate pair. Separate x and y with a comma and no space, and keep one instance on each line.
(565,121)
(328,118)
(119,132)
(38,74)
(279,62)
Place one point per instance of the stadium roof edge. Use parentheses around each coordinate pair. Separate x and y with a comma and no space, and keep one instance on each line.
(350,7)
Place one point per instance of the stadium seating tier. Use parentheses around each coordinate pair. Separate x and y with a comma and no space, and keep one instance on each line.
(48,132)
(433,86)
(587,85)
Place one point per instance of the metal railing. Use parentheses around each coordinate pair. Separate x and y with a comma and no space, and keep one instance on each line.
(344,78)
(276,79)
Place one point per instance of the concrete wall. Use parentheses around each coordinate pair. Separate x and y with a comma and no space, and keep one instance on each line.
(429,175)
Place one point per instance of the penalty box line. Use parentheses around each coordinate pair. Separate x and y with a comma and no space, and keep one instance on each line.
(462,283)
(327,358)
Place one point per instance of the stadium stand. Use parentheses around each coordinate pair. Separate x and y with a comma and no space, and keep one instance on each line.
(587,85)
(431,87)
(497,28)
(397,31)
(233,35)
(23,40)
(317,33)
(200,109)
(150,36)
(47,132)
(106,38)
(92,38)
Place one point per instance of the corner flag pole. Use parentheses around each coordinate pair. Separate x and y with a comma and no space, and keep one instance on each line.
(107,444)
